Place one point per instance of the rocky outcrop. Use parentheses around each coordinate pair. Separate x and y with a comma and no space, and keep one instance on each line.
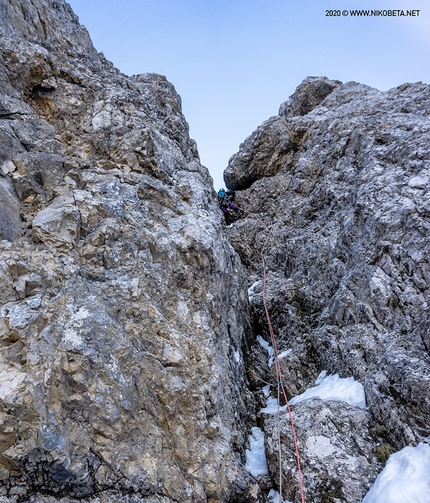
(128,368)
(337,451)
(123,308)
(344,178)
(310,93)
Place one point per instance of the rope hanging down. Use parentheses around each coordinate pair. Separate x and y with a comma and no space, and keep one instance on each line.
(280,379)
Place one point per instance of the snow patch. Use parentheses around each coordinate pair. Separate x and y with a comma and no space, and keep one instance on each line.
(274,497)
(251,290)
(270,351)
(333,387)
(330,387)
(265,345)
(405,478)
(284,354)
(321,376)
(272,407)
(256,463)
(266,390)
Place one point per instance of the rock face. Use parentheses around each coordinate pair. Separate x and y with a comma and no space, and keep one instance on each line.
(343,173)
(129,370)
(123,309)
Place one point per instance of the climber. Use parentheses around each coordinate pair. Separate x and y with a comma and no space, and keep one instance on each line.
(221,195)
(231,212)
(228,212)
(230,194)
(226,194)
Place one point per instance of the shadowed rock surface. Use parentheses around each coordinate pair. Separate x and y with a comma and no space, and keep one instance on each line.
(346,186)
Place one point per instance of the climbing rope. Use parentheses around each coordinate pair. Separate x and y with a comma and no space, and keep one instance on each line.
(280,379)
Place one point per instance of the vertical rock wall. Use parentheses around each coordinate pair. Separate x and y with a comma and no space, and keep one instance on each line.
(343,172)
(123,309)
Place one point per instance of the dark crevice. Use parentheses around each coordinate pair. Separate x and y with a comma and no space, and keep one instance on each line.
(41,91)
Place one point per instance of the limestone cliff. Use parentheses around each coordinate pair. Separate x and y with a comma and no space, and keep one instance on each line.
(343,173)
(129,368)
(124,313)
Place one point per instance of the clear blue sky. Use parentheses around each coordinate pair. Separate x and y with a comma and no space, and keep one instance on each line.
(233,62)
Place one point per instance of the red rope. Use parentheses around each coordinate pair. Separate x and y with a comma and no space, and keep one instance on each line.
(275,348)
